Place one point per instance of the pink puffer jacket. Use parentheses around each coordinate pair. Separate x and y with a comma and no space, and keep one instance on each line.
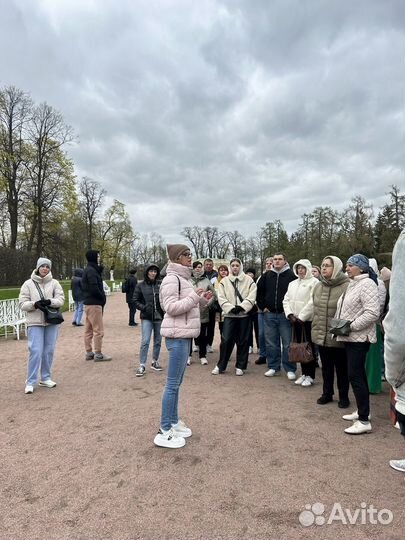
(182,312)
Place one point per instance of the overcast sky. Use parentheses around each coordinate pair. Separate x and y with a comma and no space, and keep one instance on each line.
(226,113)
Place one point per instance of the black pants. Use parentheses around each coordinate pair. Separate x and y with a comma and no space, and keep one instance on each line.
(254,326)
(201,341)
(333,359)
(211,328)
(132,311)
(303,333)
(401,422)
(356,367)
(234,331)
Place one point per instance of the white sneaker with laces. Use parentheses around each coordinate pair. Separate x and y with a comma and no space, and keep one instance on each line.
(250,350)
(239,372)
(189,360)
(196,348)
(300,380)
(182,430)
(215,371)
(48,383)
(291,376)
(210,349)
(169,439)
(358,428)
(398,464)
(203,361)
(271,373)
(29,389)
(353,417)
(308,381)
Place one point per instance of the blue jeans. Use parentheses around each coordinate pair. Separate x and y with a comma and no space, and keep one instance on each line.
(262,340)
(178,354)
(147,327)
(41,346)
(78,313)
(277,331)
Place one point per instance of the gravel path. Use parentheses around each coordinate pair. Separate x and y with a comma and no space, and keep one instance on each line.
(78,461)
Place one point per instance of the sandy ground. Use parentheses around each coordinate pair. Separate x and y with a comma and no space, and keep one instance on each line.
(78,461)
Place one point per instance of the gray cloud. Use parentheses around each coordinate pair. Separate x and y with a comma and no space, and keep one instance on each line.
(228,113)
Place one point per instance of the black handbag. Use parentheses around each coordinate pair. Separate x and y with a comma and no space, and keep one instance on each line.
(340,327)
(52,314)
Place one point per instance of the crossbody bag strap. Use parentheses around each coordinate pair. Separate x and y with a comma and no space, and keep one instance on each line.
(237,292)
(39,290)
(341,304)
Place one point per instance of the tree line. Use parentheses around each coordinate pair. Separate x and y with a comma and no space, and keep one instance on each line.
(46,210)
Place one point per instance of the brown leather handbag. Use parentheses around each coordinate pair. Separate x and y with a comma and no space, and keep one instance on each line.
(300,352)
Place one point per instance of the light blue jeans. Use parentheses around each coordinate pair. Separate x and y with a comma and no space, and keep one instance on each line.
(78,313)
(277,331)
(147,327)
(41,346)
(178,354)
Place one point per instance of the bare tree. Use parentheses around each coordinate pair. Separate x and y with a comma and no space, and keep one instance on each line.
(195,235)
(91,200)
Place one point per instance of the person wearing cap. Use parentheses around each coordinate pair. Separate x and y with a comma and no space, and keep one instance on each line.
(41,335)
(360,305)
(181,323)
(94,300)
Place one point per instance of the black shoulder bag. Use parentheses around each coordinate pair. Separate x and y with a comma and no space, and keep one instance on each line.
(340,327)
(52,314)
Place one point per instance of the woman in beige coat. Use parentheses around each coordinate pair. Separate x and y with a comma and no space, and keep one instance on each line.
(41,335)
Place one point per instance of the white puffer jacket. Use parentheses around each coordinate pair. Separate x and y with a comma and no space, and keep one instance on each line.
(299,291)
(29,294)
(361,306)
(180,303)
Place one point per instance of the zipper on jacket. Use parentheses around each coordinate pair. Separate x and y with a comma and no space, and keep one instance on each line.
(275,297)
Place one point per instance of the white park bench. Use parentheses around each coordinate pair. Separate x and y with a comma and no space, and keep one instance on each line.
(12,316)
(71,301)
(116,287)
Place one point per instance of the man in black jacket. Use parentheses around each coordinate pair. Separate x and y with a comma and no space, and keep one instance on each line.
(94,301)
(129,289)
(271,289)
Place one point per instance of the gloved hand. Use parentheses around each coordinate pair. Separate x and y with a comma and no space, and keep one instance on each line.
(238,309)
(38,304)
(46,302)
(233,310)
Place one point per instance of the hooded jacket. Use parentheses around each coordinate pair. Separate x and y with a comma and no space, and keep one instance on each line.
(322,305)
(146,296)
(272,287)
(394,325)
(51,290)
(228,297)
(180,303)
(92,283)
(76,285)
(299,291)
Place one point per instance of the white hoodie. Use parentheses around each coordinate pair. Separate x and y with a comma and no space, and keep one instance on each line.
(299,291)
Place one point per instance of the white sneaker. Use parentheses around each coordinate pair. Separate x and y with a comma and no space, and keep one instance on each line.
(250,350)
(29,389)
(210,349)
(169,439)
(398,464)
(196,348)
(358,428)
(300,380)
(215,371)
(189,360)
(182,430)
(308,381)
(291,376)
(239,372)
(271,373)
(203,361)
(48,383)
(353,417)
(396,425)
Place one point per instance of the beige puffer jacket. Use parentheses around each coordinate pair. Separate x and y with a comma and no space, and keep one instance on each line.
(29,294)
(361,306)
(322,306)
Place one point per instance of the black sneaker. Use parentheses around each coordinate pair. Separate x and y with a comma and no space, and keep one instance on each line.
(140,372)
(323,400)
(156,366)
(260,360)
(343,403)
